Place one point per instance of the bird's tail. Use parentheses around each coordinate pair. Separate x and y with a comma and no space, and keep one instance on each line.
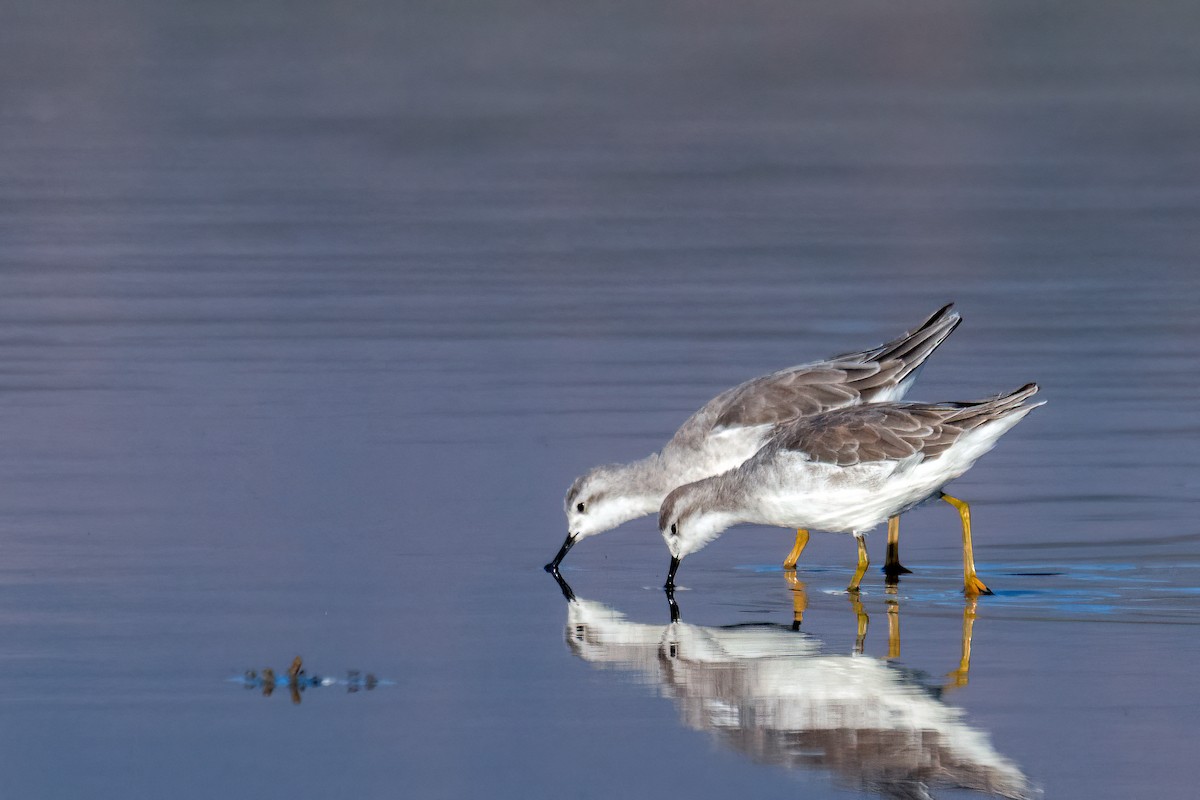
(911,348)
(1011,405)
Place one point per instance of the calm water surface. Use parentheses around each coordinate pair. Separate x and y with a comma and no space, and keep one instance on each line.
(311,315)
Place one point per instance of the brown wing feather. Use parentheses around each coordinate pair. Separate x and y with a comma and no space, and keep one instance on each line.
(801,392)
(882,432)
(891,431)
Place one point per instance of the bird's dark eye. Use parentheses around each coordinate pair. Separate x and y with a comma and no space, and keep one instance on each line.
(579,508)
(674,531)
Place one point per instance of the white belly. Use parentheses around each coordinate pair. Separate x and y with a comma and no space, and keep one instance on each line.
(795,493)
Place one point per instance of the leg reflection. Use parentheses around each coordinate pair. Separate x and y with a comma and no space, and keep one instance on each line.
(893,612)
(960,676)
(863,621)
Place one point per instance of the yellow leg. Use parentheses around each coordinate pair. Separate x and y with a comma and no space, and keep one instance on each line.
(891,564)
(799,600)
(961,674)
(863,563)
(794,556)
(971,584)
(860,636)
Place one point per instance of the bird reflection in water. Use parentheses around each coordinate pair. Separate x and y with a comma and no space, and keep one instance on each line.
(771,692)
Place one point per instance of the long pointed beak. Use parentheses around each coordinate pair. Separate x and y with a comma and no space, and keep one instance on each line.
(670,585)
(568,543)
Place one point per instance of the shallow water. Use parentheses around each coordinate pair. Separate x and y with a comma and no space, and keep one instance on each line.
(310,317)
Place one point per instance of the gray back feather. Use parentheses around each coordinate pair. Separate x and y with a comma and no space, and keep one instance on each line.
(814,388)
(892,431)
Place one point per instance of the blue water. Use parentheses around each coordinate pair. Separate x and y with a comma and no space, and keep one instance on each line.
(309,315)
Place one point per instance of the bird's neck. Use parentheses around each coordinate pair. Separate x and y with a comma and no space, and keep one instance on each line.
(727,496)
(649,478)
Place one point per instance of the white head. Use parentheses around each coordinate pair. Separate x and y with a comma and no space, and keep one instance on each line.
(601,499)
(692,516)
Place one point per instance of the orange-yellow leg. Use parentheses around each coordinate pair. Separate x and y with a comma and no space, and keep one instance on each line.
(892,567)
(799,599)
(972,586)
(860,635)
(863,563)
(794,556)
(961,674)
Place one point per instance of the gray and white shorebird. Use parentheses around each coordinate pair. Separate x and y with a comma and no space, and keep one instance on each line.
(847,471)
(732,427)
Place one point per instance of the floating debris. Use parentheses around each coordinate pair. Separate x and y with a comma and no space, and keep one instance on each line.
(297,680)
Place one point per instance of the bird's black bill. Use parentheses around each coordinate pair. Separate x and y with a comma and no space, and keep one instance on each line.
(563,585)
(670,584)
(568,543)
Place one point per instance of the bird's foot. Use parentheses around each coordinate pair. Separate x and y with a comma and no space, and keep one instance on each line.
(974,587)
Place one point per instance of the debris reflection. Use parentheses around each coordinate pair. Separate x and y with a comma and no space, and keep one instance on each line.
(297,680)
